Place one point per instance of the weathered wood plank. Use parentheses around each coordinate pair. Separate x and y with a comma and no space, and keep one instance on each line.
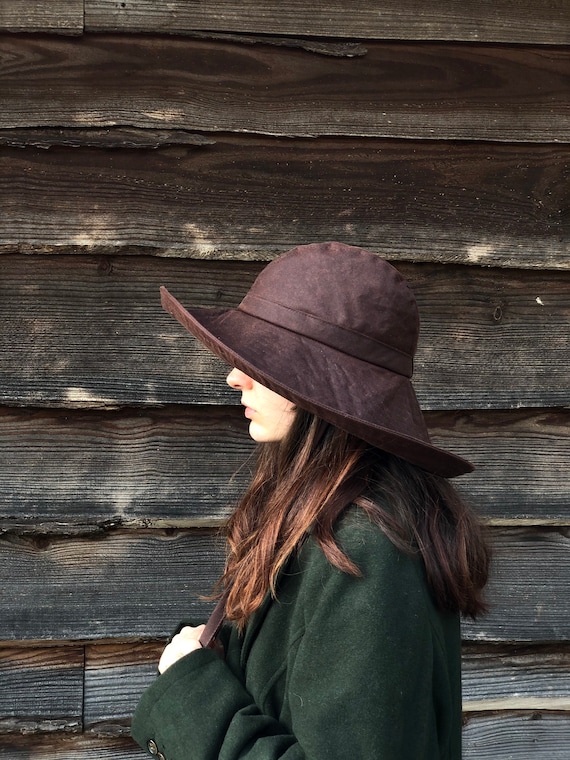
(116,676)
(533,736)
(123,584)
(493,205)
(62,747)
(454,92)
(114,137)
(531,678)
(486,737)
(526,604)
(83,330)
(503,21)
(174,466)
(81,471)
(141,584)
(60,16)
(42,689)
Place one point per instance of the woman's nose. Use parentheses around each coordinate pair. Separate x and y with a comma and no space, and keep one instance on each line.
(238,380)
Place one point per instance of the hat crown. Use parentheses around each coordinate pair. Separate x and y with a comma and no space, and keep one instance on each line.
(342,296)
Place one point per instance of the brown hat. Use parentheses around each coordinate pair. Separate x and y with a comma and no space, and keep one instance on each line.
(332,328)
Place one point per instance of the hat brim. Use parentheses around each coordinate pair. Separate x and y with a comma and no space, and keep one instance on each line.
(372,403)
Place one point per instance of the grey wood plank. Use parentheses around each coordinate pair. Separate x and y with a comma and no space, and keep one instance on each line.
(76,471)
(252,198)
(42,689)
(532,736)
(504,21)
(115,677)
(493,678)
(141,584)
(526,602)
(517,678)
(55,16)
(80,471)
(85,331)
(453,92)
(486,737)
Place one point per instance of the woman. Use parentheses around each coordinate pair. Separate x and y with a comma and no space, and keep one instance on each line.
(350,556)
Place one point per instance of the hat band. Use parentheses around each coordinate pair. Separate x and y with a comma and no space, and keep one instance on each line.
(349,342)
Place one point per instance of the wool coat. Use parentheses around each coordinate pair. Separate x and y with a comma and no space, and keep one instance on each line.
(336,667)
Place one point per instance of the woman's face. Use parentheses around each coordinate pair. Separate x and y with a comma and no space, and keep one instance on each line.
(270,415)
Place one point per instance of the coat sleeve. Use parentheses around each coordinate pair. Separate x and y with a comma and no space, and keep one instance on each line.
(360,679)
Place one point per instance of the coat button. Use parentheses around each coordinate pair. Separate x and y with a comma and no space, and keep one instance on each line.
(160,756)
(152,747)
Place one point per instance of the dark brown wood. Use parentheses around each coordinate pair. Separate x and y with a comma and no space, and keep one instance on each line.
(81,471)
(60,16)
(115,137)
(534,735)
(252,198)
(128,584)
(503,21)
(42,689)
(90,331)
(454,92)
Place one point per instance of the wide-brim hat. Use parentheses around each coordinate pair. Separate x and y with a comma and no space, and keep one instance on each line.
(332,328)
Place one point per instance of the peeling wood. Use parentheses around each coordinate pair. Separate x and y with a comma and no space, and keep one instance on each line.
(113,137)
(336,49)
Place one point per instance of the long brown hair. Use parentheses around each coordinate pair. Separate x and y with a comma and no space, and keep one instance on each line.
(303,483)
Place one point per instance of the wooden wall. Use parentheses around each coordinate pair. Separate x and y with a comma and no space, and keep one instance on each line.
(184,143)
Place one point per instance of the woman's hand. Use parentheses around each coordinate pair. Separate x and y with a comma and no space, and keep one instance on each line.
(186,641)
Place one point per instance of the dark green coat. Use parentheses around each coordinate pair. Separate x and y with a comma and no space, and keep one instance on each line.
(339,668)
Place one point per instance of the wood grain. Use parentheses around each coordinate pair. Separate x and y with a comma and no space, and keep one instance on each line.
(453,92)
(62,747)
(55,16)
(536,735)
(538,678)
(501,678)
(90,331)
(74,472)
(526,602)
(50,680)
(141,584)
(252,198)
(80,471)
(504,21)
(486,737)
(115,677)
(42,689)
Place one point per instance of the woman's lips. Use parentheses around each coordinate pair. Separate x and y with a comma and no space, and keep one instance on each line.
(249,412)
